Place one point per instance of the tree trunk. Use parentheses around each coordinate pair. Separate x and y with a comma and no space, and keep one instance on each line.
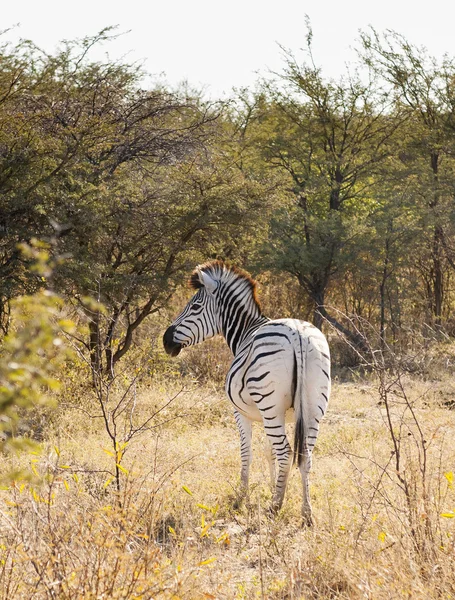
(438,275)
(355,338)
(382,291)
(437,249)
(94,344)
(317,318)
(318,299)
(5,314)
(321,315)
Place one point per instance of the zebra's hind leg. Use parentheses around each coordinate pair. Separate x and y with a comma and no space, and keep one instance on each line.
(276,435)
(245,429)
(305,468)
(270,455)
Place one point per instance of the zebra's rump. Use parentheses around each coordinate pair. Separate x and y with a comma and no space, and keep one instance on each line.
(262,378)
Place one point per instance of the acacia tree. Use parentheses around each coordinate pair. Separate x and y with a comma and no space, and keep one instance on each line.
(423,88)
(27,160)
(117,213)
(67,126)
(147,236)
(130,185)
(327,139)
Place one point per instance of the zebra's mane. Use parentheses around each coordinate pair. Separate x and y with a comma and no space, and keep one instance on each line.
(224,273)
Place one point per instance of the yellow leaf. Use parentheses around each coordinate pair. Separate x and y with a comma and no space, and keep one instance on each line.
(382,536)
(172,531)
(109,481)
(66,485)
(205,530)
(122,468)
(187,490)
(224,538)
(66,324)
(57,451)
(450,515)
(449,477)
(108,452)
(207,562)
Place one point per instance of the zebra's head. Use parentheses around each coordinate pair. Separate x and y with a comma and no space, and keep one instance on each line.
(199,320)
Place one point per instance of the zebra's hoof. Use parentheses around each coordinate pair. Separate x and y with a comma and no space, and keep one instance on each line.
(307,521)
(240,500)
(273,510)
(237,504)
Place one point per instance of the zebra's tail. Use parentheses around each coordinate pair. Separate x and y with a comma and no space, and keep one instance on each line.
(300,398)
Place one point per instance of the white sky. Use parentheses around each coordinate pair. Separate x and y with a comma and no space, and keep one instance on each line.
(220,45)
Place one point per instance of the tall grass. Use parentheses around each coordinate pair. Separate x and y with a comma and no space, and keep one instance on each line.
(175,532)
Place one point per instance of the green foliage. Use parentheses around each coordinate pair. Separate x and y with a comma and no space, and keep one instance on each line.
(324,142)
(345,185)
(33,350)
(131,185)
(422,88)
(362,174)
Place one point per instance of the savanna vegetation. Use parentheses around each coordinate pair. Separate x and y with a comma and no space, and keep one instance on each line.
(120,466)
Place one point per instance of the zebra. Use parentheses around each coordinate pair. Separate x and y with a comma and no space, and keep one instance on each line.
(278,365)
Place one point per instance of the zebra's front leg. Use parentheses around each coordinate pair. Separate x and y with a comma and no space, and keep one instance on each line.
(245,430)
(276,435)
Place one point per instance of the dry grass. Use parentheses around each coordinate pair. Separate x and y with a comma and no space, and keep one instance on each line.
(173,531)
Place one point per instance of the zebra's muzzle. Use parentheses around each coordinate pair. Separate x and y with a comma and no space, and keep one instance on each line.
(171,347)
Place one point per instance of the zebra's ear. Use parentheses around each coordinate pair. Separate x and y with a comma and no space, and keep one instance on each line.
(209,283)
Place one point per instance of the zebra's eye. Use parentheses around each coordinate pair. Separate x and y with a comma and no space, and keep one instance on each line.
(197,306)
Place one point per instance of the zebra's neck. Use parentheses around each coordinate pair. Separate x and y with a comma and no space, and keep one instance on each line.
(239,316)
